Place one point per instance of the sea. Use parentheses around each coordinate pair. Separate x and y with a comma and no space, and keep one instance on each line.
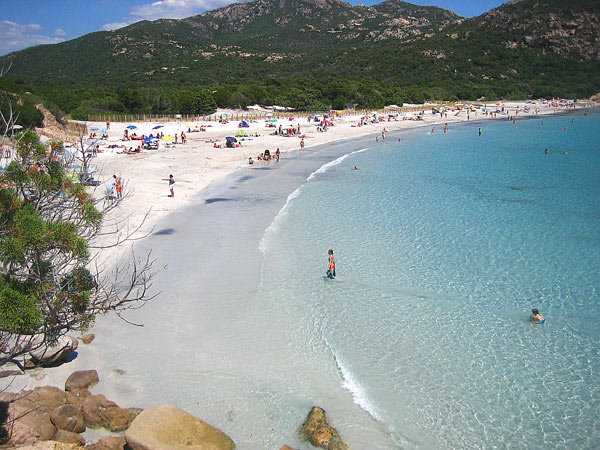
(443,243)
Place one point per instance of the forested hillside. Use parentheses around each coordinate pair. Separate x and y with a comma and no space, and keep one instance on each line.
(319,54)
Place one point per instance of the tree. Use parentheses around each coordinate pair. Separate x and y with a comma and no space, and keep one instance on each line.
(50,284)
(196,102)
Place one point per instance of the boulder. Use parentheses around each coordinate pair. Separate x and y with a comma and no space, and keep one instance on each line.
(67,418)
(53,354)
(109,443)
(320,433)
(98,411)
(167,427)
(68,437)
(286,447)
(81,379)
(87,338)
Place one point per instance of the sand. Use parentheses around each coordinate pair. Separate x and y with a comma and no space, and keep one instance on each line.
(198,164)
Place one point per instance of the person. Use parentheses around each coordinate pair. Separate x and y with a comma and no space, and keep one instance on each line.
(171,181)
(546,151)
(110,189)
(536,317)
(250,160)
(277,154)
(107,124)
(331,266)
(119,186)
(302,144)
(355,168)
(480,132)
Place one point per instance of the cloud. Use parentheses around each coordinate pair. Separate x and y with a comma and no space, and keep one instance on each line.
(17,36)
(175,9)
(59,32)
(115,25)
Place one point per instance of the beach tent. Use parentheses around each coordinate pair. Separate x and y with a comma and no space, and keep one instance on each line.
(240,133)
(231,141)
(243,124)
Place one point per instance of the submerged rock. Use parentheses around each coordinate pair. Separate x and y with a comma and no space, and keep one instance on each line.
(109,443)
(98,411)
(81,379)
(87,338)
(167,427)
(320,433)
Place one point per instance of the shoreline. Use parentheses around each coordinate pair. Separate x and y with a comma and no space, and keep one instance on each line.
(218,184)
(197,165)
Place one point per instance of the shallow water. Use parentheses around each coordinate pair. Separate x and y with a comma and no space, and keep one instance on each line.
(443,245)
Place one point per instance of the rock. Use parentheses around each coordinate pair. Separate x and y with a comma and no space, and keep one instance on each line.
(167,427)
(98,411)
(320,433)
(108,443)
(87,338)
(54,354)
(67,418)
(10,370)
(32,408)
(68,437)
(50,445)
(286,447)
(82,379)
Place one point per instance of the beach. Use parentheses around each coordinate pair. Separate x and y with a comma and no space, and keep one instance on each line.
(197,164)
(207,180)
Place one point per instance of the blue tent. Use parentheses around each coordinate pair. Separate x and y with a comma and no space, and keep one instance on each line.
(243,124)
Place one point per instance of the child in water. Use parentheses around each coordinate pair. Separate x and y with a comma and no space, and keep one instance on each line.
(536,317)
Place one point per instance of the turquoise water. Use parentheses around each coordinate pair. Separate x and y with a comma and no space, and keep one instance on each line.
(444,243)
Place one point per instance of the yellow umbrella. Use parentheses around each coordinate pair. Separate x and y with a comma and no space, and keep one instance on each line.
(167,138)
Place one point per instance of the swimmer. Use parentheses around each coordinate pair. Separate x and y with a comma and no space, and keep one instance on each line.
(480,132)
(536,317)
(565,153)
(250,160)
(546,151)
(355,168)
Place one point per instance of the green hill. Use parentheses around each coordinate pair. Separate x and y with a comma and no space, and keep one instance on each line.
(320,54)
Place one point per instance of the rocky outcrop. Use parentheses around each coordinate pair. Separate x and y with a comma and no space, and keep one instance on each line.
(320,433)
(98,411)
(48,413)
(82,379)
(167,427)
(109,443)
(68,437)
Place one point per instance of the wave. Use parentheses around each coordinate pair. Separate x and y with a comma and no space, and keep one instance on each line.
(275,224)
(358,392)
(335,162)
(283,211)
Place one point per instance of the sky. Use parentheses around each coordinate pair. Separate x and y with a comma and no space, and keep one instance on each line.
(24,23)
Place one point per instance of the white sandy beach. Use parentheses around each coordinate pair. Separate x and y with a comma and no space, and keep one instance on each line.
(198,164)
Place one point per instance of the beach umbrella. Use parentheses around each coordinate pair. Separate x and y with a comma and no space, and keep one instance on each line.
(273,120)
(167,138)
(99,128)
(132,127)
(157,127)
(231,139)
